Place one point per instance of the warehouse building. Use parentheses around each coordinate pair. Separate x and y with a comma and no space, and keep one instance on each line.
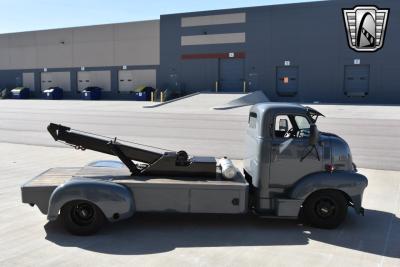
(294,52)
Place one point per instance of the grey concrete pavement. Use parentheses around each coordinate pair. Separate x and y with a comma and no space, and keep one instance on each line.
(373,132)
(27,239)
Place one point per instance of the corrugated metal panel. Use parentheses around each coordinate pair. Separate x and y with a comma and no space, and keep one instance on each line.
(93,46)
(4,52)
(137,43)
(54,48)
(22,47)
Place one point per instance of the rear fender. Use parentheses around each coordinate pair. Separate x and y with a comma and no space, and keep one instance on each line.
(115,200)
(351,183)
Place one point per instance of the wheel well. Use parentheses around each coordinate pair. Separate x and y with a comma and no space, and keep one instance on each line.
(346,196)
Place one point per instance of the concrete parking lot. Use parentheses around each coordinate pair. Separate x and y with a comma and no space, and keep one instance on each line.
(27,239)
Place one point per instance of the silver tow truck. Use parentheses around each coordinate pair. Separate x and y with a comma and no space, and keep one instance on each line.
(290,170)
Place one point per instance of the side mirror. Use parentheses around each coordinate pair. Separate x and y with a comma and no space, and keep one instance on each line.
(283,125)
(314,135)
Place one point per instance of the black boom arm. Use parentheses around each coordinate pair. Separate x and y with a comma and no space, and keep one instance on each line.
(108,146)
(164,163)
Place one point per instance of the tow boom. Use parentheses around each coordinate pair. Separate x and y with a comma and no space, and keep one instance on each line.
(155,163)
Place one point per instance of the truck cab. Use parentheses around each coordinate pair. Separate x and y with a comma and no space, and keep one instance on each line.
(288,162)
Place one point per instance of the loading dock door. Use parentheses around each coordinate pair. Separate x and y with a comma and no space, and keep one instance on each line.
(287,81)
(131,79)
(126,82)
(174,82)
(231,75)
(83,80)
(253,82)
(356,80)
(28,80)
(56,79)
(101,78)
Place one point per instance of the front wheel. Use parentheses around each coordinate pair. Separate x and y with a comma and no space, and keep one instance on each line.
(325,209)
(82,217)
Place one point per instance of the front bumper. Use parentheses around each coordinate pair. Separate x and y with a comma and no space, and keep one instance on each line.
(356,203)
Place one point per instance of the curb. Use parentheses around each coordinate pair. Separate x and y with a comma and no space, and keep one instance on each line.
(171,101)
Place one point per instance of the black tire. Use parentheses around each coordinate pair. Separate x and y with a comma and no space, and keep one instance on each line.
(325,209)
(82,217)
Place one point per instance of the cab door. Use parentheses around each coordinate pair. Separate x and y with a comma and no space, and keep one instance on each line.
(289,160)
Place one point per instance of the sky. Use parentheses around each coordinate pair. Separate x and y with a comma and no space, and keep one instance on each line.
(29,15)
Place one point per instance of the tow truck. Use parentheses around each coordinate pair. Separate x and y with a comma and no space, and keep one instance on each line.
(290,170)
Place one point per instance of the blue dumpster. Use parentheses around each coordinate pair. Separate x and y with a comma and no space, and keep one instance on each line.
(53,93)
(20,93)
(91,93)
(140,96)
(143,93)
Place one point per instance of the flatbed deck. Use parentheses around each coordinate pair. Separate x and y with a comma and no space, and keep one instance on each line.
(52,177)
(151,194)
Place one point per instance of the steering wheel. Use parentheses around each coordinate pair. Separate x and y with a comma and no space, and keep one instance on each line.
(290,133)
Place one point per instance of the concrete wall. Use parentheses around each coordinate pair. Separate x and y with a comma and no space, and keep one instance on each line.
(135,44)
(311,36)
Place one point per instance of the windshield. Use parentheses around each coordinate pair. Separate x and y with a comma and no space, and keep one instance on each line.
(302,122)
(303,126)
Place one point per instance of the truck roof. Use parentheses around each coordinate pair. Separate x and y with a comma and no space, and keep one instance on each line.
(281,106)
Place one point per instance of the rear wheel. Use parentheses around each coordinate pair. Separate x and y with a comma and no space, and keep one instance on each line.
(325,209)
(82,217)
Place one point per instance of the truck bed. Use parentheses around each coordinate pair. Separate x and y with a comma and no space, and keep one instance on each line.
(151,194)
(52,177)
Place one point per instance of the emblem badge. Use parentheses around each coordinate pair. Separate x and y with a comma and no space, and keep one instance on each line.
(366,27)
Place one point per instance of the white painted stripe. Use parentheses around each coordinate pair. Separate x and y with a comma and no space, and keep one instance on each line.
(225,38)
(213,20)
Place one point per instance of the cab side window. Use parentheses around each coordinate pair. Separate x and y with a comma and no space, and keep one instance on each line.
(291,126)
(282,126)
(253,120)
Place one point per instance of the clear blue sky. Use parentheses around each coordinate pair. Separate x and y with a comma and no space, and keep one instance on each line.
(27,15)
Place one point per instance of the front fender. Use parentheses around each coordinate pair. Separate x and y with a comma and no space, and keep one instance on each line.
(351,183)
(111,198)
